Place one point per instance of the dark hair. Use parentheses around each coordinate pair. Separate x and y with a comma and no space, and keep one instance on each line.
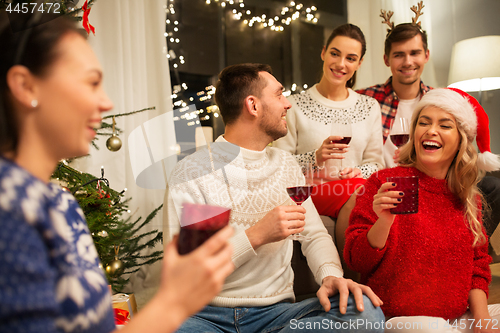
(354,32)
(235,83)
(402,32)
(24,41)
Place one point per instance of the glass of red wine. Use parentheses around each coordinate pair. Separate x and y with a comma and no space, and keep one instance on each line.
(301,193)
(342,128)
(198,223)
(400,132)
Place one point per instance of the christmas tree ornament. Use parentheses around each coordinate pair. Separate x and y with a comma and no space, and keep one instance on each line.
(116,266)
(114,143)
(103,233)
(85,20)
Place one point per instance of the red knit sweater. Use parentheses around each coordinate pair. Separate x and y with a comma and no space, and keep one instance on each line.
(428,265)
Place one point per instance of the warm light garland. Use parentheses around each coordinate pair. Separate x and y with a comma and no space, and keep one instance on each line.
(207,94)
(288,14)
(171,34)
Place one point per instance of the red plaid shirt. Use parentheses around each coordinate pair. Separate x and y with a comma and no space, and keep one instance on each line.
(389,102)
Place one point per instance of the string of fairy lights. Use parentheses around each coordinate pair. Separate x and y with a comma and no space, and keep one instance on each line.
(285,17)
(240,12)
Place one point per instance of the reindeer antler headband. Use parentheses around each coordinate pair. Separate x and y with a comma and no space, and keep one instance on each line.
(386,15)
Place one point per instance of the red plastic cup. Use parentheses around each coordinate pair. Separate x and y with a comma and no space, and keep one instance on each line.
(198,223)
(409,186)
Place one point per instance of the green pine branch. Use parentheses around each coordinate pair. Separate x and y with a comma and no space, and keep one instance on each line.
(107,127)
(106,212)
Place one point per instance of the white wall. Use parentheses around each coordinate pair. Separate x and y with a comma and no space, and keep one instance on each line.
(446,22)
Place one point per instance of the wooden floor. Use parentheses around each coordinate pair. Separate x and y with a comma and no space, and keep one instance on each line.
(495,284)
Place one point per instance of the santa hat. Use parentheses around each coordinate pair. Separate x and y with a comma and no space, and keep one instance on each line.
(471,117)
(487,161)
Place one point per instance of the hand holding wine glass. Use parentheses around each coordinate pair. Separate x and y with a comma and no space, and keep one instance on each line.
(299,194)
(341,129)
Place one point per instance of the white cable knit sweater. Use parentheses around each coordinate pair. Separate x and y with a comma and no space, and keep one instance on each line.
(310,120)
(257,183)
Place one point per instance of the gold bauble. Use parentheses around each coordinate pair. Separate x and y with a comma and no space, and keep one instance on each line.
(114,143)
(115,267)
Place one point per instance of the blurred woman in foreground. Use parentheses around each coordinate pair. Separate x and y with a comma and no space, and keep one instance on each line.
(51,99)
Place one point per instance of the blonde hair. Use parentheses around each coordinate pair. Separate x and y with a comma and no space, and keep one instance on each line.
(463,174)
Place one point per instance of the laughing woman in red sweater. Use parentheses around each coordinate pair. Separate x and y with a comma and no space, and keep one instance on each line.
(433,264)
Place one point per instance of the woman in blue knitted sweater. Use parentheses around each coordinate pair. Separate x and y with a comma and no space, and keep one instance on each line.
(51,99)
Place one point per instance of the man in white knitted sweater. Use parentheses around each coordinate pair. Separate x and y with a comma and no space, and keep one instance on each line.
(241,172)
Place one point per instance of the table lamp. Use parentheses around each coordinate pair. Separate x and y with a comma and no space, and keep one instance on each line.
(475,64)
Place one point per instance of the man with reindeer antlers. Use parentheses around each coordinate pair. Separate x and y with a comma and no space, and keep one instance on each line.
(406,54)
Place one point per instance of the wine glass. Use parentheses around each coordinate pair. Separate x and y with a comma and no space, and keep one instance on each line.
(199,222)
(342,128)
(400,132)
(299,194)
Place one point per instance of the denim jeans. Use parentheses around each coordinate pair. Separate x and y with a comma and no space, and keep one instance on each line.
(305,316)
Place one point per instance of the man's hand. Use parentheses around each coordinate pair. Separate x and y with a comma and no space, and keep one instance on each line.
(333,285)
(277,225)
(396,156)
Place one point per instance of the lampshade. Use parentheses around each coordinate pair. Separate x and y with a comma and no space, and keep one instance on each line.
(475,64)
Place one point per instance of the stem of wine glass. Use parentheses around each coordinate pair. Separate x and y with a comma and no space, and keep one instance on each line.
(298,236)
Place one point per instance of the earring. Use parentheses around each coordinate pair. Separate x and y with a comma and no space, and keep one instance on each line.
(34,103)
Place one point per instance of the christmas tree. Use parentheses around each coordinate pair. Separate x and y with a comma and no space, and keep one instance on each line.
(118,241)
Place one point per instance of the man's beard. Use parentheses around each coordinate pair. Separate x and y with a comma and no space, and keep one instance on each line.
(275,131)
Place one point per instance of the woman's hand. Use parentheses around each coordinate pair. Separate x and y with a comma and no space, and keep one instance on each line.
(190,281)
(349,173)
(384,200)
(478,305)
(330,150)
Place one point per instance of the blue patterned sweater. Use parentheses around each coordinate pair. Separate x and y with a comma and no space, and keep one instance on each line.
(50,280)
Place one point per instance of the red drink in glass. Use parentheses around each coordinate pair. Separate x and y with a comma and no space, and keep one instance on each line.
(399,139)
(299,194)
(345,140)
(198,223)
(409,186)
